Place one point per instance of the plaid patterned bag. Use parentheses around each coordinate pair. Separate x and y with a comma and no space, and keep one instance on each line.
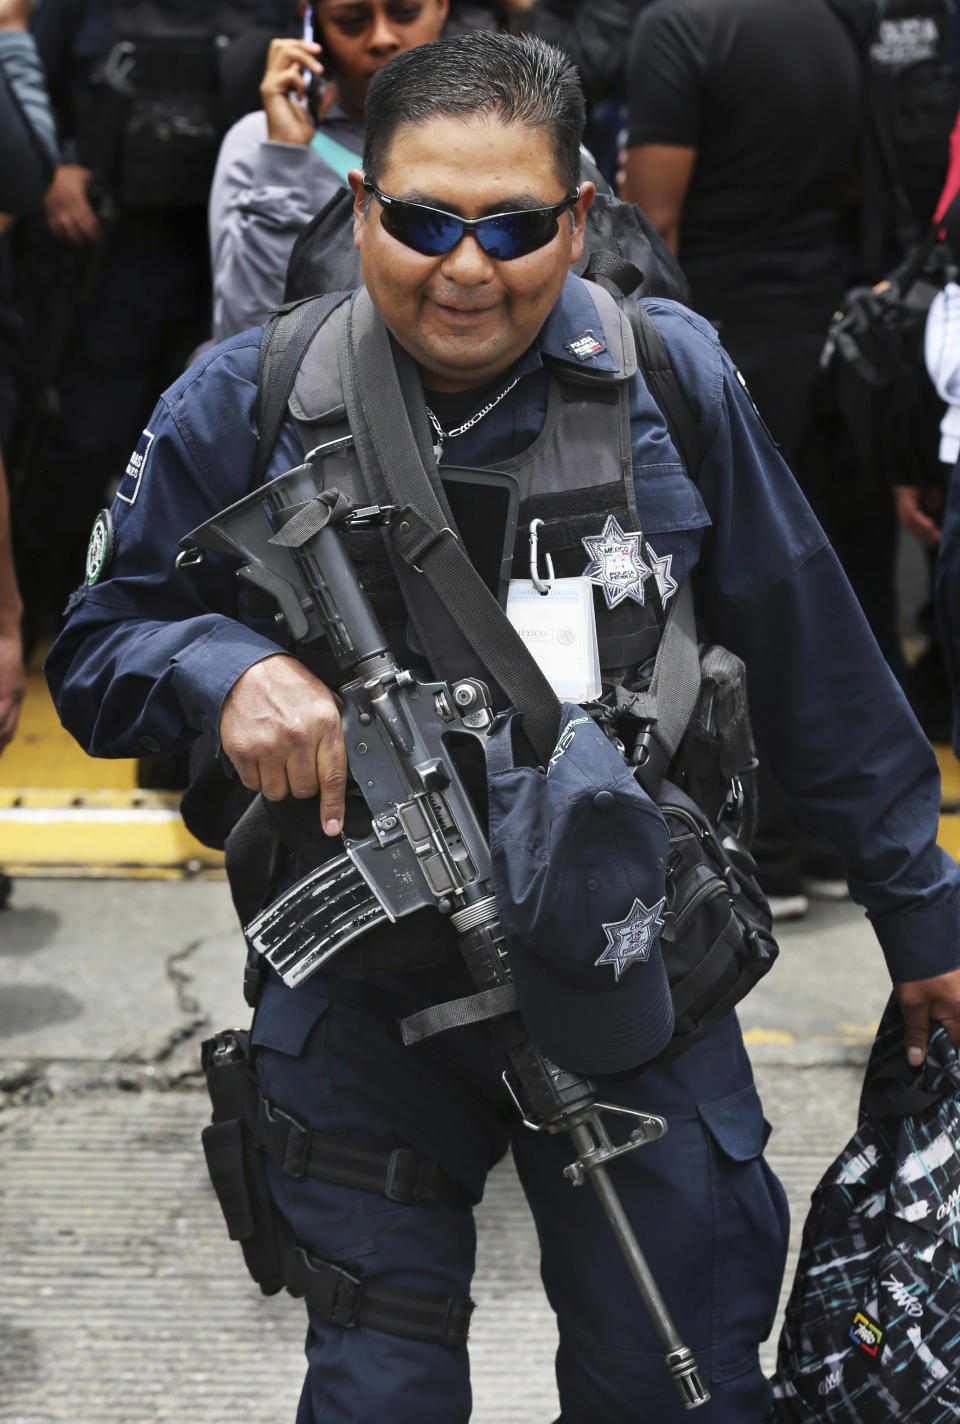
(872,1328)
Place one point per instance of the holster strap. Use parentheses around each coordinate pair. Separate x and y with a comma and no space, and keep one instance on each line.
(347,1301)
(401,1174)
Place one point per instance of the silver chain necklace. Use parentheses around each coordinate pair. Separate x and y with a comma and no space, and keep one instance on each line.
(444,435)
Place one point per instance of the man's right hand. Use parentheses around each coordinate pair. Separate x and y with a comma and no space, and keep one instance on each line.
(280,726)
(69,214)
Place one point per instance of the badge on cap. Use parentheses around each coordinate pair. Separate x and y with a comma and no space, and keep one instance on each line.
(632,938)
(101,546)
(616,563)
(585,347)
(136,465)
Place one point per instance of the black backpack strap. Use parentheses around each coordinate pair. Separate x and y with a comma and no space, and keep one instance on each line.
(664,385)
(286,335)
(625,274)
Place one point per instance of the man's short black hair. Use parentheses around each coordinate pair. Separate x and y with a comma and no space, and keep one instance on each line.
(517,79)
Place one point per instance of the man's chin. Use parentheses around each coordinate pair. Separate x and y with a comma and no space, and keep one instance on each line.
(465,358)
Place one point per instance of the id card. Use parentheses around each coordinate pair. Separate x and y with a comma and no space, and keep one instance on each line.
(559,629)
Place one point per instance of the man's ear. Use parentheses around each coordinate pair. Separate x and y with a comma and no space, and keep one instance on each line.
(355,179)
(588,191)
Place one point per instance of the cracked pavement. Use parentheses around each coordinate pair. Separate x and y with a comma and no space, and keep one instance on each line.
(123,1300)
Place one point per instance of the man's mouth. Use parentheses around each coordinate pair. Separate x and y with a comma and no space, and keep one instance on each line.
(456,309)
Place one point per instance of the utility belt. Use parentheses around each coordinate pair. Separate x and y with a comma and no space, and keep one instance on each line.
(246,1132)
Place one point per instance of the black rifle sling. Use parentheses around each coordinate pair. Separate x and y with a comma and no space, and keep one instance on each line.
(422,531)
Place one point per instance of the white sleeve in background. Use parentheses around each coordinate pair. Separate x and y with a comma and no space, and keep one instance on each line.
(942,355)
(262,195)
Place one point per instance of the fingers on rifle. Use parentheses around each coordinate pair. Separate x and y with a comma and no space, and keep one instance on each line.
(332,775)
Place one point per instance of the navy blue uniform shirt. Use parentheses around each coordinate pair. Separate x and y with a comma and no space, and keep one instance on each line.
(149,653)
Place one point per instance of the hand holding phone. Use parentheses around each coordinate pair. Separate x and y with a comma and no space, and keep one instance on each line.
(293,69)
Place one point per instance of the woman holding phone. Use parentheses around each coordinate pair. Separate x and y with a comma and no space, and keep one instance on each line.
(278,167)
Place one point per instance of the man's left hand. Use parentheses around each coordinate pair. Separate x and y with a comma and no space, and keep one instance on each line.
(924,999)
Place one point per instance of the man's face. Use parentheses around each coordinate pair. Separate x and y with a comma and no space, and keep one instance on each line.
(465,316)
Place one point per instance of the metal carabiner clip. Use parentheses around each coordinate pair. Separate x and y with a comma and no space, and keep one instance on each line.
(541,585)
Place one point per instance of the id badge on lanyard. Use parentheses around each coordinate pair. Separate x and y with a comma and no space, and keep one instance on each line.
(559,628)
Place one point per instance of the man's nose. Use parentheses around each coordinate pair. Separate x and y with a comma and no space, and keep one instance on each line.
(467,263)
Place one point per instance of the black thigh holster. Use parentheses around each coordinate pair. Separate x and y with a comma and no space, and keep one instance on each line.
(237,1167)
(247,1131)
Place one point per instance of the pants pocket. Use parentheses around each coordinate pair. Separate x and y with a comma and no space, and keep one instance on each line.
(751,1225)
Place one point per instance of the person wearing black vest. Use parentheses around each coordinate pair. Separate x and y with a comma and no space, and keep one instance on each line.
(112,273)
(520,367)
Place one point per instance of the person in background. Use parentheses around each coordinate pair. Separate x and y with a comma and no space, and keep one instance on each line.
(112,273)
(277,168)
(28,156)
(742,134)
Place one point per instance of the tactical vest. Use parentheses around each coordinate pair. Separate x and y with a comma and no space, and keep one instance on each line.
(154,130)
(576,473)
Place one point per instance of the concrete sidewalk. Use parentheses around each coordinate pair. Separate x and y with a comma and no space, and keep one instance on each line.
(123,1302)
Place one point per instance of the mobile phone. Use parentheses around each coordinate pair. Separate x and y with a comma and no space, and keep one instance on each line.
(316,83)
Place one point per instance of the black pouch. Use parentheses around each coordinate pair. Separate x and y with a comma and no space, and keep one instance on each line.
(237,1167)
(716,940)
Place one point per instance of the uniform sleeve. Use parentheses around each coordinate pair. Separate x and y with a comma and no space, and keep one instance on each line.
(826,709)
(664,77)
(149,651)
(263,195)
(28,130)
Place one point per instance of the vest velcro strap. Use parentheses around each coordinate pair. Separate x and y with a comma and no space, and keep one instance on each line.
(347,1301)
(401,1174)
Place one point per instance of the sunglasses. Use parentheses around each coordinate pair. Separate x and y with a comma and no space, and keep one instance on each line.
(432,232)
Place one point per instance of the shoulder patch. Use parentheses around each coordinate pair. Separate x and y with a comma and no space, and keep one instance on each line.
(136,466)
(585,347)
(101,546)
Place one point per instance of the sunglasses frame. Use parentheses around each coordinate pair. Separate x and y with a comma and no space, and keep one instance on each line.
(470,225)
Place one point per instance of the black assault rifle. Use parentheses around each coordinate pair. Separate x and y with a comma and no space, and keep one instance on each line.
(426,845)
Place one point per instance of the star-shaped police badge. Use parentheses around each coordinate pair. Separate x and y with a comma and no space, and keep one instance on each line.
(616,563)
(661,572)
(633,937)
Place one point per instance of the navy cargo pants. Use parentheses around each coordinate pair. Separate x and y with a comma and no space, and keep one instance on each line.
(708,1212)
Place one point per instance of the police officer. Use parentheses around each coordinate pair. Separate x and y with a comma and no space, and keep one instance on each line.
(472,126)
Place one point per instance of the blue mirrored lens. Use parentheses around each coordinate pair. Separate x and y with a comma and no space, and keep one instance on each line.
(425,229)
(515,234)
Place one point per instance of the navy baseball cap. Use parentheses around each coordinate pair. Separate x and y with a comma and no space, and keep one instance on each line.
(579,856)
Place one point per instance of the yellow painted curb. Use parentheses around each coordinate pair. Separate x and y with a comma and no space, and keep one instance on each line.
(104,833)
(949,835)
(949,776)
